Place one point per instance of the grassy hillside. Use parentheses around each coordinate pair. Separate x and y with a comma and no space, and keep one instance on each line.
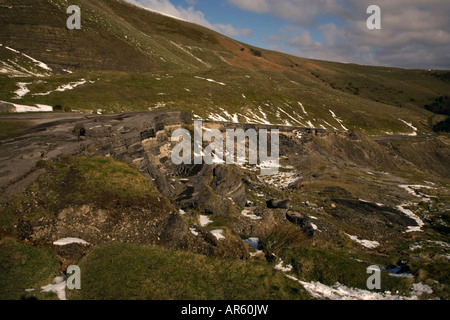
(126,58)
(149,273)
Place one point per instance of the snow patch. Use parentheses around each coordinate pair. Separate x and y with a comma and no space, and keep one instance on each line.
(250,215)
(23,90)
(419,288)
(217,117)
(414,190)
(365,243)
(415,246)
(204,220)
(338,120)
(11,49)
(410,214)
(66,241)
(159,105)
(64,87)
(210,80)
(190,54)
(411,126)
(330,125)
(280,180)
(59,287)
(25,108)
(341,292)
(303,108)
(282,268)
(37,62)
(234,118)
(291,117)
(193,231)
(218,234)
(258,118)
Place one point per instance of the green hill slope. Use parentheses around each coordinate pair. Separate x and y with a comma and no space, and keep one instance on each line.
(127,58)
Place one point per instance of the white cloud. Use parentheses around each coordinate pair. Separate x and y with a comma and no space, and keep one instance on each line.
(231,31)
(258,6)
(414,34)
(303,40)
(190,14)
(302,12)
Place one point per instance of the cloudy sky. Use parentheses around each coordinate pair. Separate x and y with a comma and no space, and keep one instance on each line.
(414,33)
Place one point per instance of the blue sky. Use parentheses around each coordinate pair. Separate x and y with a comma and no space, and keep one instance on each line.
(414,33)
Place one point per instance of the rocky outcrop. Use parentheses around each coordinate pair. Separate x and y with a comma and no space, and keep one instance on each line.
(7,107)
(243,200)
(216,189)
(303,221)
(382,222)
(140,139)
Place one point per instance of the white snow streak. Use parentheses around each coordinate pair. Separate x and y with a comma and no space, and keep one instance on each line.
(204,220)
(366,243)
(250,215)
(66,241)
(64,87)
(338,120)
(218,234)
(410,214)
(59,287)
(210,80)
(411,126)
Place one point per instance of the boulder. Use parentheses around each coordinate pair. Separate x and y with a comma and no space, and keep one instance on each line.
(278,204)
(7,107)
(296,184)
(297,218)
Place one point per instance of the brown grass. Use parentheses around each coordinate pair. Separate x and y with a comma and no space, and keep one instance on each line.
(276,236)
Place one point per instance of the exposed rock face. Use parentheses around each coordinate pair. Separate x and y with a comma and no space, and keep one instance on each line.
(297,218)
(7,107)
(383,222)
(157,223)
(143,140)
(216,189)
